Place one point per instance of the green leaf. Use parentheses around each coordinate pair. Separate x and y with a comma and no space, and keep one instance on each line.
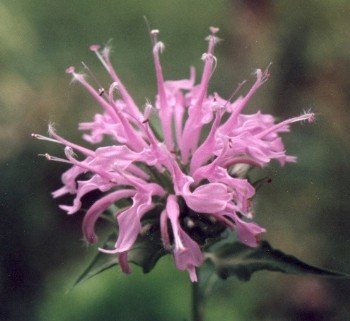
(100,263)
(145,253)
(237,259)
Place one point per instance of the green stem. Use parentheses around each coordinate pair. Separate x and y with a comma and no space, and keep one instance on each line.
(197,303)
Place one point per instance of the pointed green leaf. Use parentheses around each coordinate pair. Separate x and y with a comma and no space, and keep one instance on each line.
(100,263)
(237,259)
(145,253)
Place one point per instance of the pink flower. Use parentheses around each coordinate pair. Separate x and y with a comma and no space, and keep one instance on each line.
(190,173)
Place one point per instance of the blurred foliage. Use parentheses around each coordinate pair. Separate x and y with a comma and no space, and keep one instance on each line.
(305,209)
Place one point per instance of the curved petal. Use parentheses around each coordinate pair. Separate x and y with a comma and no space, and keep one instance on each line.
(129,221)
(209,198)
(98,208)
(187,253)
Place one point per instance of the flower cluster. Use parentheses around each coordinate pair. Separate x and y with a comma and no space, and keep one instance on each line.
(194,174)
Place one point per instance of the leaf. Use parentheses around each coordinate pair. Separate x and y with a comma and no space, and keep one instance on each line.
(145,253)
(100,263)
(237,259)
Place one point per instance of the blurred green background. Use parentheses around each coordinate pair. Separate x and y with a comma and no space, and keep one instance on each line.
(305,209)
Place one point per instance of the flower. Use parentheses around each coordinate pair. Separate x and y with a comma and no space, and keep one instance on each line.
(194,176)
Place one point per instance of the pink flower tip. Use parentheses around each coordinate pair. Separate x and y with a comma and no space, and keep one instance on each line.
(94,48)
(214,30)
(311,117)
(70,70)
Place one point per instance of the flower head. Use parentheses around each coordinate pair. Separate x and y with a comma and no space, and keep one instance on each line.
(195,177)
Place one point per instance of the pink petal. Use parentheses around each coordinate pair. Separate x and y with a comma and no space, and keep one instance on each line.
(187,253)
(209,198)
(248,232)
(129,221)
(98,208)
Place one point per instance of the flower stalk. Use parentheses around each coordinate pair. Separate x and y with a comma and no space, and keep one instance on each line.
(197,301)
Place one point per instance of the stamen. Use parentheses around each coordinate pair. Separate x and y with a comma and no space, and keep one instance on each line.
(239,87)
(41,137)
(54,158)
(310,117)
(96,50)
(101,90)
(104,174)
(61,140)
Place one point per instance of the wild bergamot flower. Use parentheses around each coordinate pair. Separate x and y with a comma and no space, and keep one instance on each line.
(194,175)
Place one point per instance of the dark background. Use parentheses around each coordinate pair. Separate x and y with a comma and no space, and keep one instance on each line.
(305,209)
